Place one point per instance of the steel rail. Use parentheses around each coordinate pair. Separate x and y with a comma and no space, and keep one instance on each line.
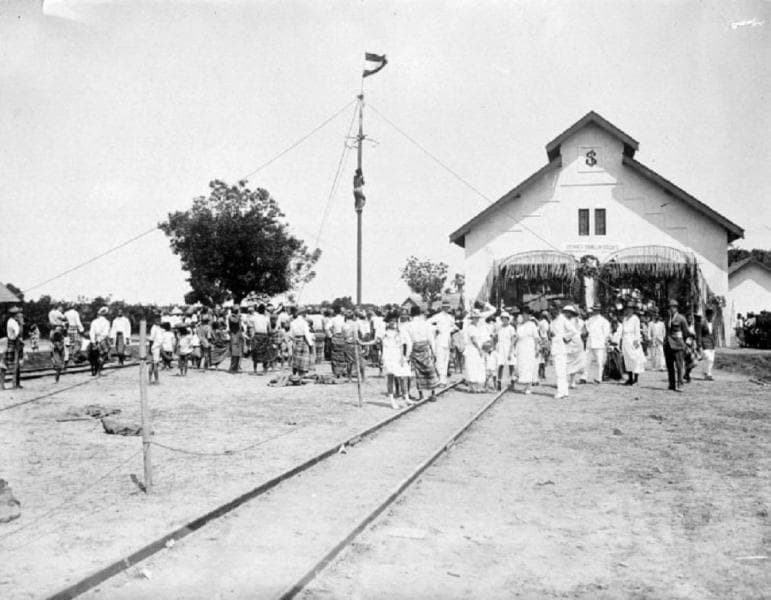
(298,586)
(116,567)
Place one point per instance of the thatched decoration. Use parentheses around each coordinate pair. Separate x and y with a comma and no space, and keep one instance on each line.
(538,265)
(657,262)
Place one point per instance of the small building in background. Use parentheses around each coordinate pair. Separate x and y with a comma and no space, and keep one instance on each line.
(749,287)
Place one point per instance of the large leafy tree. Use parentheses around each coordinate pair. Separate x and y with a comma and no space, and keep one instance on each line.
(425,277)
(235,242)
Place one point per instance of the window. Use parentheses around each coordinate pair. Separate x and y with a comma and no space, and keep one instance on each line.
(599,221)
(583,221)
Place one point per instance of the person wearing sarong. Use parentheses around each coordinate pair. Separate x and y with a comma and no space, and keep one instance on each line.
(631,345)
(544,345)
(561,333)
(526,350)
(74,330)
(204,332)
(99,335)
(57,351)
(14,352)
(236,340)
(120,333)
(316,322)
(262,344)
(336,336)
(350,337)
(707,339)
(220,344)
(302,342)
(423,358)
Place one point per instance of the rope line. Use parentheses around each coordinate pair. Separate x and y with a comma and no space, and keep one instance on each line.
(155,227)
(224,452)
(69,500)
(469,185)
(95,258)
(298,142)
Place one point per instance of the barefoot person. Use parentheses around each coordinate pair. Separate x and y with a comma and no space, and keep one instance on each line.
(14,352)
(423,358)
(99,334)
(120,333)
(302,341)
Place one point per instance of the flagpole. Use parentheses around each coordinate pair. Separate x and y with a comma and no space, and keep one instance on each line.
(359,205)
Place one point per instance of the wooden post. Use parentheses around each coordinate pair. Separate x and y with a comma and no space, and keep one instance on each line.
(143,405)
(358,372)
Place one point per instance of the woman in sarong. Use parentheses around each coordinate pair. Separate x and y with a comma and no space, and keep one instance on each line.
(614,368)
(236,341)
(57,352)
(302,342)
(220,344)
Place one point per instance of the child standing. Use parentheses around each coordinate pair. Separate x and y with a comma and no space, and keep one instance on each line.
(491,365)
(504,349)
(393,361)
(184,349)
(168,342)
(195,342)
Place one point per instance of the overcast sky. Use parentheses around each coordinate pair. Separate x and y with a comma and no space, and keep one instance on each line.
(112,114)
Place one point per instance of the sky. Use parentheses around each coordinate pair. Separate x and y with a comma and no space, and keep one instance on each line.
(113,114)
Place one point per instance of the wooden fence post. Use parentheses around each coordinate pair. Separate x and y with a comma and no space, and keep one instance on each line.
(143,405)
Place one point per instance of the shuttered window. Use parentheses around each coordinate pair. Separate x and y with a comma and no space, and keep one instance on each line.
(599,221)
(583,221)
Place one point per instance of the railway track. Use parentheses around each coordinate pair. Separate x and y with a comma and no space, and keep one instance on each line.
(64,388)
(271,520)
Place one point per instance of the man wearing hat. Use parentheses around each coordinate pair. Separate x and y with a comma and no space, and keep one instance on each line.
(504,350)
(14,352)
(598,333)
(674,346)
(444,326)
(99,334)
(473,359)
(562,332)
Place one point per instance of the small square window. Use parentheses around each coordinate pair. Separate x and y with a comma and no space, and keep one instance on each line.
(599,221)
(583,221)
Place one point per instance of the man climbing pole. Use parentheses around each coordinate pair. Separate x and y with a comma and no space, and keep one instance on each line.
(358,190)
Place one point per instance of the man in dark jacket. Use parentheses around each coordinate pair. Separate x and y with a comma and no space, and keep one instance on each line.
(674,346)
(707,335)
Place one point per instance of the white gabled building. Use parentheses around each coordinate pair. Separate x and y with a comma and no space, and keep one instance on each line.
(749,287)
(593,198)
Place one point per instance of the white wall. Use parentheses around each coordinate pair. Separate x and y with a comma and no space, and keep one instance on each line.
(638,213)
(750,290)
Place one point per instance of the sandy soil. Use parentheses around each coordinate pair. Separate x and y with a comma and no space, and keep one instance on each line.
(613,493)
(80,509)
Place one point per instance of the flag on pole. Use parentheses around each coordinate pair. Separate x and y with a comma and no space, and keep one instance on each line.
(375,62)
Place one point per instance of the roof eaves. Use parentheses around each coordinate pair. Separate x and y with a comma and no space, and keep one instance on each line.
(734,231)
(458,236)
(750,260)
(631,145)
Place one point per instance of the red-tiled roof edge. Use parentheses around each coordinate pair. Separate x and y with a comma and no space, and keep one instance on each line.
(734,231)
(457,236)
(630,144)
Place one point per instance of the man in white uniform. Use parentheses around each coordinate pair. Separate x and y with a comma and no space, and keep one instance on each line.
(598,332)
(444,326)
(562,332)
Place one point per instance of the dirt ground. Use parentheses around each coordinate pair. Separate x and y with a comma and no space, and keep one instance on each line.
(81,510)
(613,493)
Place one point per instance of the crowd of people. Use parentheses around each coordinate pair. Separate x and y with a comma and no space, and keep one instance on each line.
(753,330)
(492,348)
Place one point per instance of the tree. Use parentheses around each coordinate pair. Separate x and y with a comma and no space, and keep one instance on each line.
(235,241)
(344,303)
(737,254)
(425,277)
